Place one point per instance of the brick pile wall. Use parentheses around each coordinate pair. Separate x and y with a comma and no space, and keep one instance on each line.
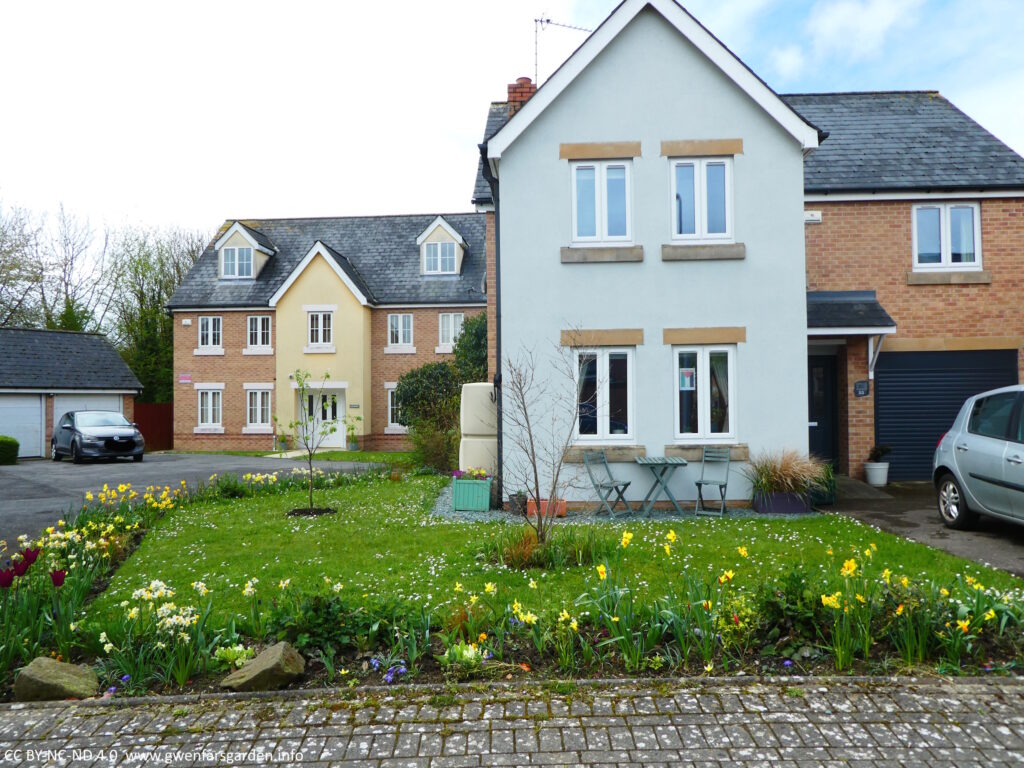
(385,367)
(233,369)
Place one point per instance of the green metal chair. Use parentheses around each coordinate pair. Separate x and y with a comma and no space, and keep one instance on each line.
(597,462)
(714,471)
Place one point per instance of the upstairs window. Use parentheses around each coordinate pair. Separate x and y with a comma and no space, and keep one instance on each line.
(947,236)
(320,329)
(601,208)
(236,262)
(400,330)
(449,326)
(439,259)
(259,332)
(210,333)
(702,199)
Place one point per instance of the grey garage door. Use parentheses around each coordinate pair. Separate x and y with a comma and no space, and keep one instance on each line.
(918,394)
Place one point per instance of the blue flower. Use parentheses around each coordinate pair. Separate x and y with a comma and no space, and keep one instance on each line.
(375,663)
(112,690)
(126,678)
(787,663)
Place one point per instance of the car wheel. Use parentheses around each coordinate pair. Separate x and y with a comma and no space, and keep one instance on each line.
(54,453)
(75,457)
(952,504)
(137,457)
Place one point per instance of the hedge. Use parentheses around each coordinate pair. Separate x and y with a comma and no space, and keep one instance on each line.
(8,450)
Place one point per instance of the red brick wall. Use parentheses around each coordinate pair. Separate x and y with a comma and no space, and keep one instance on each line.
(868,246)
(386,367)
(232,368)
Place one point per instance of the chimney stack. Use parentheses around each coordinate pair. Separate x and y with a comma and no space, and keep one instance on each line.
(519,93)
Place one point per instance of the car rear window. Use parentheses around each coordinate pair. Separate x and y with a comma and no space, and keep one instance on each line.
(990,416)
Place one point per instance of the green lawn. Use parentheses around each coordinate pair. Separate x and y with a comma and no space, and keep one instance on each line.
(391,458)
(383,541)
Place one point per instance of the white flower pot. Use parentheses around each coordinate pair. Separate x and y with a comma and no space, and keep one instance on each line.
(877,473)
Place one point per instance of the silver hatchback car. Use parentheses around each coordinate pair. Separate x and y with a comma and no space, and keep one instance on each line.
(979,463)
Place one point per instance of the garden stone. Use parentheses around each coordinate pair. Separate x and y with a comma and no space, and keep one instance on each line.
(46,679)
(277,666)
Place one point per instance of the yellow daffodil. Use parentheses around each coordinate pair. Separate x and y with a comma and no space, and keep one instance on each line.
(874,548)
(668,550)
(725,577)
(602,572)
(458,587)
(706,605)
(944,592)
(904,581)
(671,536)
(990,614)
(831,601)
(284,583)
(708,667)
(533,583)
(490,588)
(482,637)
(573,625)
(829,551)
(886,575)
(564,615)
(615,619)
(964,625)
(868,553)
(899,609)
(860,599)
(849,568)
(626,538)
(473,599)
(742,551)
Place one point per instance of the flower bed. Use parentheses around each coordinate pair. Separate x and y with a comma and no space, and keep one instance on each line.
(203,592)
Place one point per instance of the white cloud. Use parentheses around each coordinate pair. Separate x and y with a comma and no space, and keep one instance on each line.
(987,103)
(857,29)
(787,61)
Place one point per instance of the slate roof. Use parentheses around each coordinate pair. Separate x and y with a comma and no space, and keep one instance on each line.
(846,309)
(497,116)
(259,237)
(38,360)
(901,140)
(880,141)
(379,253)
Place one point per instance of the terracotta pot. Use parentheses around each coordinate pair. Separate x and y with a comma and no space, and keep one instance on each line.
(558,511)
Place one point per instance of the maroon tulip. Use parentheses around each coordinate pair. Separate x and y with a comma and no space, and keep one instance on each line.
(6,578)
(20,567)
(30,555)
(57,577)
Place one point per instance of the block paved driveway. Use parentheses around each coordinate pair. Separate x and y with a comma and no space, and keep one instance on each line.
(847,722)
(36,493)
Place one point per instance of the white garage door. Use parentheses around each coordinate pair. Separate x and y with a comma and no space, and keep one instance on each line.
(21,417)
(84,402)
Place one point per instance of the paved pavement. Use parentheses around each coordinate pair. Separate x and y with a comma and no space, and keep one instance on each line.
(865,724)
(908,509)
(34,494)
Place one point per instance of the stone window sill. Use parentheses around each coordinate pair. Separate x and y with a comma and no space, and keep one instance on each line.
(602,254)
(258,350)
(319,349)
(614,453)
(402,349)
(208,431)
(444,349)
(258,430)
(704,252)
(199,351)
(396,430)
(695,451)
(975,277)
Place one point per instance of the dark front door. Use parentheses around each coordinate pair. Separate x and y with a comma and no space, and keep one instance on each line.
(822,408)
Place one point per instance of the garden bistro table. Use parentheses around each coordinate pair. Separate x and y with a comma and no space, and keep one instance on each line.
(662,467)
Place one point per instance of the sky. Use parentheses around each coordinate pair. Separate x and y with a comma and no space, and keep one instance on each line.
(185,114)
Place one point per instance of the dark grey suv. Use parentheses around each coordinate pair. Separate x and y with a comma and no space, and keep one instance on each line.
(979,463)
(96,435)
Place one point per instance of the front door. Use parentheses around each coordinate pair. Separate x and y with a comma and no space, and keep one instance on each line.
(328,409)
(822,407)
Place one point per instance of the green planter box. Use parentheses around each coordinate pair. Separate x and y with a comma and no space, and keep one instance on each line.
(471,495)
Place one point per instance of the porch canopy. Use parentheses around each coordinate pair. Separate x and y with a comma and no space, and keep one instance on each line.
(839,314)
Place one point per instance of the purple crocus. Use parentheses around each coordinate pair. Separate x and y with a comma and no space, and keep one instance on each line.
(787,663)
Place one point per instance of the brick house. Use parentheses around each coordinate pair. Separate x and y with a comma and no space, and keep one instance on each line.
(354,301)
(913,246)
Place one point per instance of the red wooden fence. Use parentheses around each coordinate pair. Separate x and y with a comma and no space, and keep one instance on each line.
(156,423)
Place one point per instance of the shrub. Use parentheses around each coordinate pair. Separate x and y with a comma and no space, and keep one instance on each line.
(8,450)
(433,447)
(471,349)
(430,394)
(784,472)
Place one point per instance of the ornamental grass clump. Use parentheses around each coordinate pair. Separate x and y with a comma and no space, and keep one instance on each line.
(785,471)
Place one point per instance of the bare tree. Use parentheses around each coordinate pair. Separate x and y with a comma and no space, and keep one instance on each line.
(78,278)
(541,408)
(311,432)
(20,268)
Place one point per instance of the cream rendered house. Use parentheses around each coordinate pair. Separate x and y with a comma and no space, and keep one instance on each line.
(355,302)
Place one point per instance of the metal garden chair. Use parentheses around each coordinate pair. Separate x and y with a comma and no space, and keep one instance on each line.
(714,471)
(597,462)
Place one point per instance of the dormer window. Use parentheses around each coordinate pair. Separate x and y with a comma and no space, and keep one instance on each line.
(236,262)
(440,259)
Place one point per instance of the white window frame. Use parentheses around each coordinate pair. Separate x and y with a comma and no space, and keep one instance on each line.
(602,354)
(945,238)
(235,273)
(445,347)
(439,245)
(392,428)
(263,322)
(213,327)
(321,344)
(402,346)
(700,212)
(601,213)
(259,392)
(704,433)
(212,393)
